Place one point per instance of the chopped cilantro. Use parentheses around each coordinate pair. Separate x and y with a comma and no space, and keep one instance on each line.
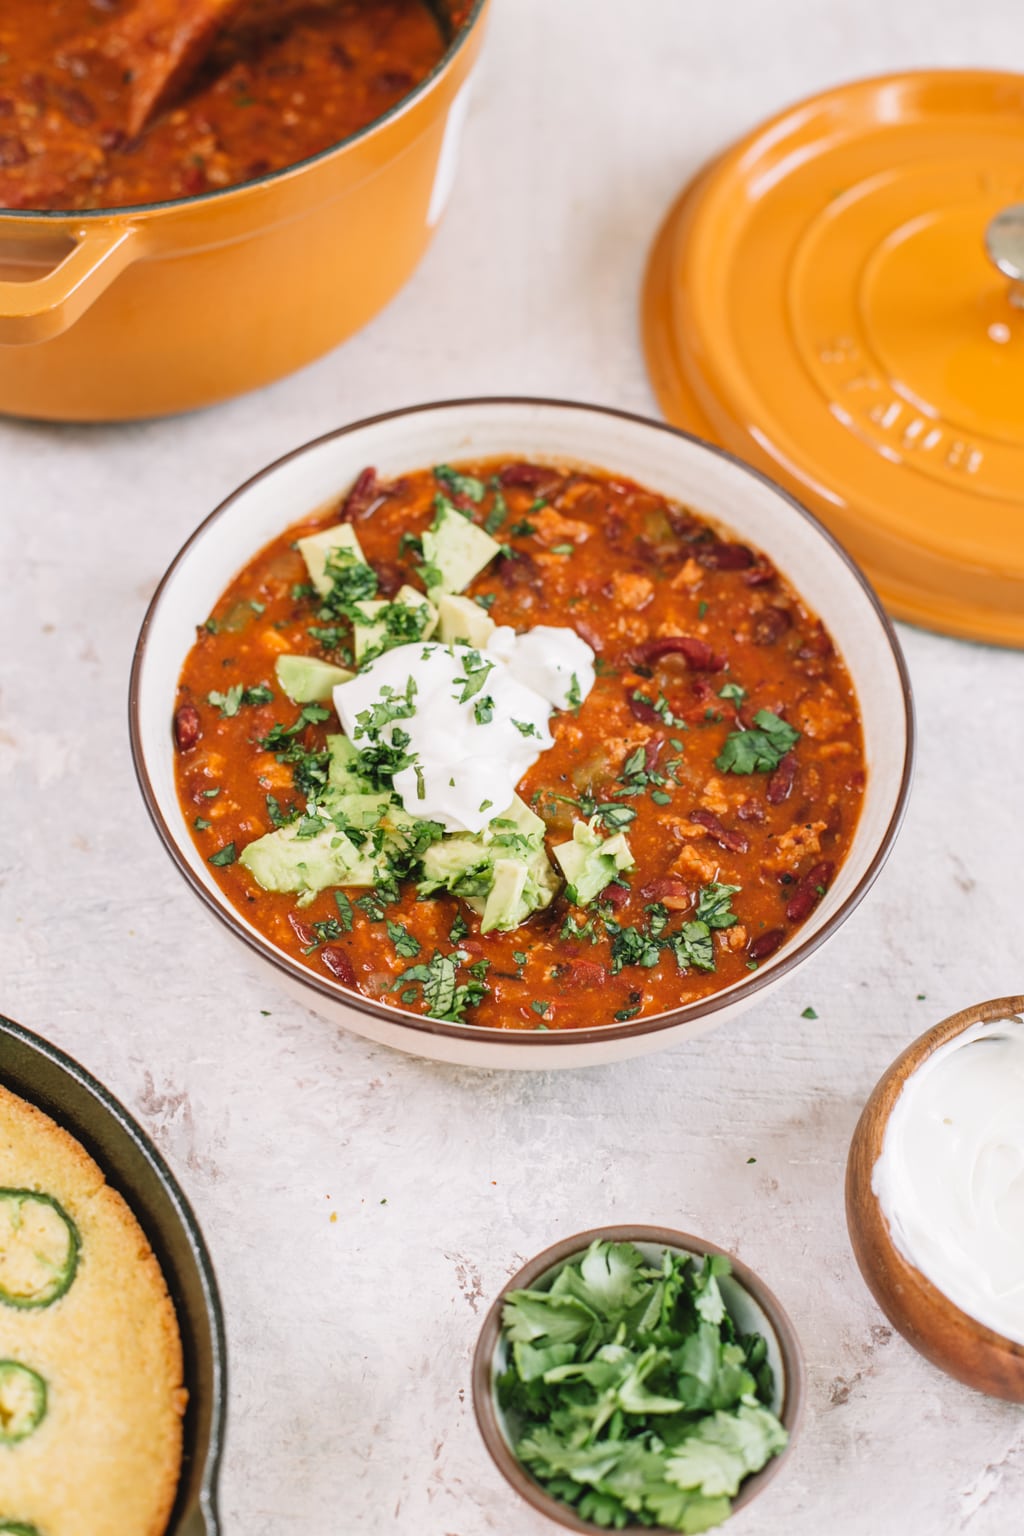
(231,702)
(660,705)
(486,600)
(445,998)
(483,710)
(574,695)
(809,1013)
(477,672)
(223,856)
(520,956)
(713,905)
(344,907)
(211,794)
(632,1008)
(201,825)
(734,692)
(522,529)
(279,817)
(459,928)
(539,1006)
(759,750)
(325,931)
(499,510)
(459,484)
(571,929)
(660,798)
(405,944)
(563,549)
(526,728)
(702,608)
(634,1397)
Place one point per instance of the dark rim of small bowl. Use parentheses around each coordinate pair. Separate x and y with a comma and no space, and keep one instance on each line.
(91,215)
(550,1039)
(501,1453)
(197,1243)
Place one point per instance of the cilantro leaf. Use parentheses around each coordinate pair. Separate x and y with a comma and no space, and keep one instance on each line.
(459,484)
(760,749)
(713,905)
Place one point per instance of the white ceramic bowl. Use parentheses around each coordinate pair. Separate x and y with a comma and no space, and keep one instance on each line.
(681,467)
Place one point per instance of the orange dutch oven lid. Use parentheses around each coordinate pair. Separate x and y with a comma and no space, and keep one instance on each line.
(839,299)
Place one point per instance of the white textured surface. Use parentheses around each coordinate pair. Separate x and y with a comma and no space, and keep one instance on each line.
(350,1340)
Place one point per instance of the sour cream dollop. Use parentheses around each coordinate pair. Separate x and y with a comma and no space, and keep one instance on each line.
(476,720)
(950,1178)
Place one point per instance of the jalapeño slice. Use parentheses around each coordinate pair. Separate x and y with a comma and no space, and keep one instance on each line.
(22,1401)
(39,1247)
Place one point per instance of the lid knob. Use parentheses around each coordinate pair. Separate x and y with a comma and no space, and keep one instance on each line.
(1004,241)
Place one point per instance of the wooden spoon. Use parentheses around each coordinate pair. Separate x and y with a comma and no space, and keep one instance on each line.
(160,44)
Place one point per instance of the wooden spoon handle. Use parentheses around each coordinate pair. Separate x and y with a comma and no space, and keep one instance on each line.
(160,44)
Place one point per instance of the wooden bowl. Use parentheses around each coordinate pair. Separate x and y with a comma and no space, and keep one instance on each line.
(927,1319)
(751,1305)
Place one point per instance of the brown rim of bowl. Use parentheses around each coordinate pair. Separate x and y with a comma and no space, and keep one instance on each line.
(88,215)
(865,1147)
(512,1470)
(551,1039)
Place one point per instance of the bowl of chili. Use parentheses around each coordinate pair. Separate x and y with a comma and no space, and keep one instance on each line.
(600,1367)
(45,1077)
(691,820)
(300,178)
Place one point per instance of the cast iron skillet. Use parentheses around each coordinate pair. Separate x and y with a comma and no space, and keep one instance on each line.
(53,1082)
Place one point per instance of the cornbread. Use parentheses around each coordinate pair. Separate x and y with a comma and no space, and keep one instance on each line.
(91,1393)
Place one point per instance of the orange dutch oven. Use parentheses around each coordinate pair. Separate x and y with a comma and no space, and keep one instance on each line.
(129,312)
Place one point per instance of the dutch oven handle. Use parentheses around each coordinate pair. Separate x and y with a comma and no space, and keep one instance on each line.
(43,307)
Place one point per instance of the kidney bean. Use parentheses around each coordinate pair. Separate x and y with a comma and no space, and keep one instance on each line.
(702,690)
(301,930)
(764,575)
(583,973)
(732,842)
(652,751)
(817,643)
(751,810)
(389,578)
(530,477)
(12,150)
(780,784)
(766,943)
(76,104)
(362,498)
(111,139)
(809,891)
(519,570)
(339,964)
(716,555)
(186,727)
(394,80)
(697,653)
(769,625)
(645,713)
(614,895)
(670,891)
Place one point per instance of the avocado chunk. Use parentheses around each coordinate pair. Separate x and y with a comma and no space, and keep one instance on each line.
(590,862)
(502,873)
(408,616)
(462,620)
(284,861)
(457,549)
(317,549)
(307,679)
(343,767)
(520,886)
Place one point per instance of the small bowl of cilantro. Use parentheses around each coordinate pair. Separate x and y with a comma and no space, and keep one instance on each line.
(637,1379)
